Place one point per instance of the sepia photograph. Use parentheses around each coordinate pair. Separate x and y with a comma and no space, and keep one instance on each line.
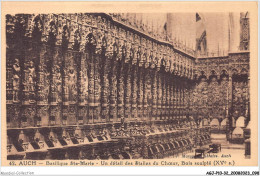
(128,88)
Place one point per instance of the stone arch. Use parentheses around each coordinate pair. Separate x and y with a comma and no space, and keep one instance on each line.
(213,75)
(238,76)
(217,73)
(224,75)
(202,72)
(234,72)
(244,71)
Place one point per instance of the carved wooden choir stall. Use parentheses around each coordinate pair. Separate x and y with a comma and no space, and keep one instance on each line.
(98,86)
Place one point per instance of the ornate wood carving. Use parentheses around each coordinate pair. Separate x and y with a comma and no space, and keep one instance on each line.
(81,69)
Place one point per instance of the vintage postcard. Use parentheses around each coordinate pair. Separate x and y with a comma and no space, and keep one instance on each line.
(129,84)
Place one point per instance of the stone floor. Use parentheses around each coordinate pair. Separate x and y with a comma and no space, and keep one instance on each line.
(221,139)
(228,150)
